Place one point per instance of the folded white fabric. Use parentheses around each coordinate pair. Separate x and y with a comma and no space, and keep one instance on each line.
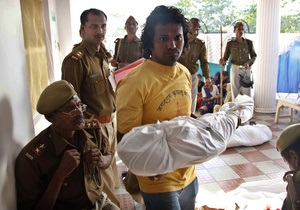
(183,141)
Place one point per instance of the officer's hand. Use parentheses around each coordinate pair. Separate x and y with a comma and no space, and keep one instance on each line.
(114,63)
(246,65)
(69,162)
(221,62)
(96,158)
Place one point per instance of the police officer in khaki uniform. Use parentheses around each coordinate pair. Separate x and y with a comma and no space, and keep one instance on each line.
(243,56)
(288,144)
(128,49)
(197,51)
(60,167)
(86,67)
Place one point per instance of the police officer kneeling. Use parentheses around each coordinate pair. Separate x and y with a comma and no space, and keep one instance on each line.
(60,167)
(288,144)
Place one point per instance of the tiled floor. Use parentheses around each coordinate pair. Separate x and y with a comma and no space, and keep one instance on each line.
(236,165)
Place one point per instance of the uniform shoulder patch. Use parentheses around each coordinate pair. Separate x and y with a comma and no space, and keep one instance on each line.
(248,40)
(202,41)
(77,54)
(91,124)
(36,151)
(232,39)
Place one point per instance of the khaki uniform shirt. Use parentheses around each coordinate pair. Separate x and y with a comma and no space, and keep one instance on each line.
(108,55)
(38,161)
(127,52)
(88,70)
(241,53)
(197,51)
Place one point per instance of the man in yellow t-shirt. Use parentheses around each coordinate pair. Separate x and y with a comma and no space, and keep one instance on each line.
(160,89)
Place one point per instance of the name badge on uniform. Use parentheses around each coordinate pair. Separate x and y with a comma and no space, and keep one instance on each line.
(94,75)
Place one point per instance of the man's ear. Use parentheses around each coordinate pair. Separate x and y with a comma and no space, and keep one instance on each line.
(82,30)
(50,117)
(295,159)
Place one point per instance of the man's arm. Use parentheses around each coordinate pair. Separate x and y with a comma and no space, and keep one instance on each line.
(223,60)
(252,52)
(69,162)
(72,72)
(114,61)
(204,62)
(31,187)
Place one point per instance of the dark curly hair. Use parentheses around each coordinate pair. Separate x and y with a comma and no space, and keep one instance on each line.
(162,15)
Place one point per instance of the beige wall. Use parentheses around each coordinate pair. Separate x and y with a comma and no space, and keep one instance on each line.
(16,124)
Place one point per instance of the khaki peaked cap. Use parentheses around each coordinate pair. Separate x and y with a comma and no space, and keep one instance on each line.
(54,96)
(131,18)
(195,23)
(289,136)
(239,25)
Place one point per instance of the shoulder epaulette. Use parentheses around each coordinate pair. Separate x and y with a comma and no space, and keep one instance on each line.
(78,51)
(248,40)
(77,54)
(200,40)
(232,39)
(76,45)
(91,124)
(36,151)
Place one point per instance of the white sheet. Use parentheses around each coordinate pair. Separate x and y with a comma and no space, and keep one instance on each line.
(249,196)
(250,135)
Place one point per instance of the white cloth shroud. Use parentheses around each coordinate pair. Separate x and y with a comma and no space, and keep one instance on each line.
(252,195)
(250,135)
(163,147)
(183,141)
(244,104)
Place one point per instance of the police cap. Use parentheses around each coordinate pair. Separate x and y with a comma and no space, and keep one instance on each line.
(54,96)
(289,137)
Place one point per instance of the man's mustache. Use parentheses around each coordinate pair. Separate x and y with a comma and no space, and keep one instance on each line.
(99,36)
(78,119)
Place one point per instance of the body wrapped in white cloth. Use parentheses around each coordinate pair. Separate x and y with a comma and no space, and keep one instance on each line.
(163,147)
(160,148)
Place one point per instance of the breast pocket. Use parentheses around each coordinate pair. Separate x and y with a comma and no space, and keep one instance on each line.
(96,83)
(235,52)
(245,54)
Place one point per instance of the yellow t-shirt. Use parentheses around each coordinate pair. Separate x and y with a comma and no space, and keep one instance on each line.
(153,92)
